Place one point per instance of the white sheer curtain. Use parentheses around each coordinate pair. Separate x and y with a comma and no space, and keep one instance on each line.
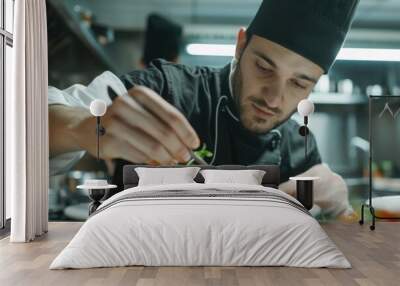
(27,124)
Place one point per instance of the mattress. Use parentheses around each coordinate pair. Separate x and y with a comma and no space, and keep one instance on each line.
(201,225)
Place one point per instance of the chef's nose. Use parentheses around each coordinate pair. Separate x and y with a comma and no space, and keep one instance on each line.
(273,94)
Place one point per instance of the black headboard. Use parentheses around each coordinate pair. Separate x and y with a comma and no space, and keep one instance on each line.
(270,179)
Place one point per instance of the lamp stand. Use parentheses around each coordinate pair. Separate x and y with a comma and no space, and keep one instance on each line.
(304,131)
(305,137)
(100,131)
(98,137)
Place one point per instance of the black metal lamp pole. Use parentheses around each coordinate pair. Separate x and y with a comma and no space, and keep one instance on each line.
(100,131)
(305,136)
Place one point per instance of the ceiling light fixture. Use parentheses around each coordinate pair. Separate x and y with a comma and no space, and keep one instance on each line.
(345,54)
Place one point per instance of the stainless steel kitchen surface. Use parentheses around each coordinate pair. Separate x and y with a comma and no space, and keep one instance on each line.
(108,35)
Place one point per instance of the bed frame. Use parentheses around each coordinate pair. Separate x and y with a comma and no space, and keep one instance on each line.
(270,179)
(304,189)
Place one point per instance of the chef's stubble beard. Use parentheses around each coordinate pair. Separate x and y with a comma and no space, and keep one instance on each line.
(237,95)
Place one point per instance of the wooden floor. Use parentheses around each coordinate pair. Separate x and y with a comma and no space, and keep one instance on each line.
(375,257)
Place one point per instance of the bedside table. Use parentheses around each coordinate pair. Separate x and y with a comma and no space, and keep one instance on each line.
(304,190)
(97,194)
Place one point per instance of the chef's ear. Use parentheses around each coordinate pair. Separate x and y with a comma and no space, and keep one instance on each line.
(241,40)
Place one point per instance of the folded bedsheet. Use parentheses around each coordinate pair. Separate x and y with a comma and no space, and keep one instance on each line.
(201,225)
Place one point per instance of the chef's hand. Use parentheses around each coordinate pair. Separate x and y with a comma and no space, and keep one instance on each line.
(141,127)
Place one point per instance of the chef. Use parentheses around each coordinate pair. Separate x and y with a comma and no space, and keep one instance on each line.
(163,39)
(241,111)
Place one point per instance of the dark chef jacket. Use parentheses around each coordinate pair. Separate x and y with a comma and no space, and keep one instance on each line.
(195,92)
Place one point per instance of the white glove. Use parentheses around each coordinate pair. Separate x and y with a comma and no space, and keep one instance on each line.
(330,191)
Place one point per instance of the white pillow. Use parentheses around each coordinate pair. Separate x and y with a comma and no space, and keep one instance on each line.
(249,177)
(162,176)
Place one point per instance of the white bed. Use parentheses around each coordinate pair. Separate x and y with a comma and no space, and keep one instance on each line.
(185,230)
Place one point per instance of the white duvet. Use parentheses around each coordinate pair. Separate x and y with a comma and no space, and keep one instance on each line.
(200,231)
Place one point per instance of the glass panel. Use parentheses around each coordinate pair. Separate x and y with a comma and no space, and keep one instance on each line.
(9,9)
(8,89)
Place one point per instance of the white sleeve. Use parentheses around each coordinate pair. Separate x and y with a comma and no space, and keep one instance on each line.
(79,95)
(82,96)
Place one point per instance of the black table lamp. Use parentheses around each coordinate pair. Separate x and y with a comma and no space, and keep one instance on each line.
(304,185)
(99,190)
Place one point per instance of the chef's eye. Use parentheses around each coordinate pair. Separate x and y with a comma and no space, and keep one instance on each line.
(298,85)
(262,68)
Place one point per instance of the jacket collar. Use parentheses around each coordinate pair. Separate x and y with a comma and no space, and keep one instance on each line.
(226,82)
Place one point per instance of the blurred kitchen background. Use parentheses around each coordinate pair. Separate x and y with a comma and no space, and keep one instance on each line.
(88,37)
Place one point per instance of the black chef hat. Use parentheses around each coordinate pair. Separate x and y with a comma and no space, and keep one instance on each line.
(162,40)
(315,29)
